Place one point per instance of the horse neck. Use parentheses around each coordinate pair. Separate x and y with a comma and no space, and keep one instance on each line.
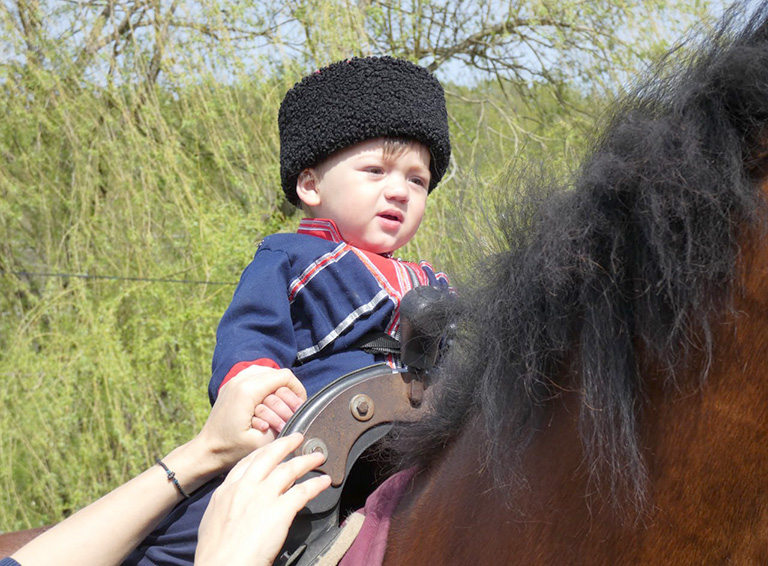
(707,456)
(456,514)
(708,462)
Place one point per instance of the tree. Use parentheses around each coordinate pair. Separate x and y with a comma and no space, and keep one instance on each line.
(517,41)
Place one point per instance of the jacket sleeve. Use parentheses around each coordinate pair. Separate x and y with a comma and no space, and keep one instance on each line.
(256,328)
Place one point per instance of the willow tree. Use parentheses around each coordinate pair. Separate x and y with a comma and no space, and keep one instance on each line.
(512,40)
(138,167)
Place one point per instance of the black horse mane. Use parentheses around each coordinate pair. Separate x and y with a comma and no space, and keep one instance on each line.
(632,256)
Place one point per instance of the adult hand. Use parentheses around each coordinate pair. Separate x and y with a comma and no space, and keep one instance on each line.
(228,434)
(249,515)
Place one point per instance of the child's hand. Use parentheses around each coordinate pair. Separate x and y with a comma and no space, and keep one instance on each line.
(275,410)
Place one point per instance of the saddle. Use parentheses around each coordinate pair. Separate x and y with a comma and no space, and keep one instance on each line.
(349,415)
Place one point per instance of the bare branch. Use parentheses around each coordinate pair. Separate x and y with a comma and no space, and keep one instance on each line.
(97,41)
(161,36)
(214,33)
(481,40)
(29,16)
(98,26)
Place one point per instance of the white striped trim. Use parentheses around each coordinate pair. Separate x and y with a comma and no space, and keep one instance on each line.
(317,266)
(343,325)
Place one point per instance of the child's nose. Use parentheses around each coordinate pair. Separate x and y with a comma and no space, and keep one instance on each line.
(397,189)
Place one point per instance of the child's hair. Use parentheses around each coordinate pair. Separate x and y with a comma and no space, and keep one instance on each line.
(394,147)
(356,100)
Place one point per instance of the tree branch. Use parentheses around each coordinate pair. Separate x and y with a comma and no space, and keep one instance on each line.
(96,41)
(30,25)
(485,37)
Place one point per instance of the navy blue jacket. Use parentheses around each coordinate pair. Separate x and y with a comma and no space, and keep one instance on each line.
(305,301)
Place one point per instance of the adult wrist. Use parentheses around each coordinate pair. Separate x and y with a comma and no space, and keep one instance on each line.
(193,465)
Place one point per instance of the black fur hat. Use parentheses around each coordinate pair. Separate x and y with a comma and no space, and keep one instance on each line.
(356,100)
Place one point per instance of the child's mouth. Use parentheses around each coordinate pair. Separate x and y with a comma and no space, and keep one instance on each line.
(391,216)
(391,220)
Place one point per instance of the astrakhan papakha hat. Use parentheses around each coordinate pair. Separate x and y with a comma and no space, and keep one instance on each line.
(357,100)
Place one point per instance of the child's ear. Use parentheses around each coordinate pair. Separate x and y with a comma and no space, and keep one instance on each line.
(306,187)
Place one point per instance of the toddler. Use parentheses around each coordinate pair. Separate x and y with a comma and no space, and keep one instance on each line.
(362,144)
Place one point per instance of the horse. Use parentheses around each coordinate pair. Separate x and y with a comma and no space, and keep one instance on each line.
(605,398)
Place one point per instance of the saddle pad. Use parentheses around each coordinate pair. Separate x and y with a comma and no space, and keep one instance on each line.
(371,542)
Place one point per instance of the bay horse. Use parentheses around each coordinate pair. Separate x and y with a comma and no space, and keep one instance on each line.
(605,401)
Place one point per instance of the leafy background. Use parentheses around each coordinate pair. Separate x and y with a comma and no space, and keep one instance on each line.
(139,169)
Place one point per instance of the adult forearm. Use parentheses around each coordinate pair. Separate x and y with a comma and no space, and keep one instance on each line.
(103,533)
(106,531)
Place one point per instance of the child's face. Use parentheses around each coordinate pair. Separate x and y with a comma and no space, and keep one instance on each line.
(377,201)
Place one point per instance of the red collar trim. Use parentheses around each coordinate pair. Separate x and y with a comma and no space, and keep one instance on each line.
(321,227)
(326,229)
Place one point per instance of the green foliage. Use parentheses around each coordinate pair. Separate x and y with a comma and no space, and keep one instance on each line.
(150,155)
(101,375)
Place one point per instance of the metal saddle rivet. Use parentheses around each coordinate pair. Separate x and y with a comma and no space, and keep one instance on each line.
(362,407)
(315,445)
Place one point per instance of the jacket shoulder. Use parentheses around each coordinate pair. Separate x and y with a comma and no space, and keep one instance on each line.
(301,244)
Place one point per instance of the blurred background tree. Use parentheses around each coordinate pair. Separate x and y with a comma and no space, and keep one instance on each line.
(139,168)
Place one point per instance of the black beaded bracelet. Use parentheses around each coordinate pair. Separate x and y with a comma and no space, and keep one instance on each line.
(172,478)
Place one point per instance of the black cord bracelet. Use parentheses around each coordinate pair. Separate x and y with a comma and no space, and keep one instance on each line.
(172,478)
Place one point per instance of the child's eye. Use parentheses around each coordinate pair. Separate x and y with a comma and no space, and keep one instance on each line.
(418,181)
(375,170)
